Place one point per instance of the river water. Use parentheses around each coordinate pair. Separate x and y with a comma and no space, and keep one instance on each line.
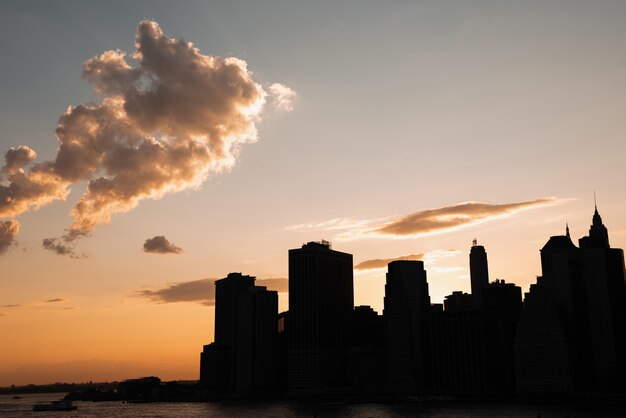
(23,408)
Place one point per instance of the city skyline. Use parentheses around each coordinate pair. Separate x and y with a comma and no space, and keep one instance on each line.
(397,132)
(565,336)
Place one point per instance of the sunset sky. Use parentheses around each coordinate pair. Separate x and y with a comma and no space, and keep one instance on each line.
(139,167)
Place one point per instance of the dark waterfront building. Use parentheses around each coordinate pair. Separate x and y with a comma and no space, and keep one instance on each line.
(243,354)
(479,273)
(604,282)
(571,332)
(406,317)
(472,349)
(458,347)
(365,365)
(502,307)
(321,300)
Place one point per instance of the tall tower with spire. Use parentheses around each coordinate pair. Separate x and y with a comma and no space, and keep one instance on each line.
(605,290)
(598,234)
(479,273)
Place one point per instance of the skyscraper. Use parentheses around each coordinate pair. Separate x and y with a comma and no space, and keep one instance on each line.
(603,278)
(571,332)
(406,311)
(551,344)
(321,300)
(479,273)
(242,356)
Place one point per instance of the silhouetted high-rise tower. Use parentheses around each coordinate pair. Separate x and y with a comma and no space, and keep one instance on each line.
(605,288)
(242,356)
(406,312)
(479,273)
(321,300)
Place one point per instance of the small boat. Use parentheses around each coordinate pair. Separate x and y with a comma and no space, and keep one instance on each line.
(64,405)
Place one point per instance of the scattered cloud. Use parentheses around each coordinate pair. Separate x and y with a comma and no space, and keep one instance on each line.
(201,291)
(282,97)
(433,257)
(168,118)
(160,245)
(8,232)
(425,222)
(15,305)
(336,224)
(55,300)
(59,246)
(378,263)
(430,260)
(3,314)
(451,217)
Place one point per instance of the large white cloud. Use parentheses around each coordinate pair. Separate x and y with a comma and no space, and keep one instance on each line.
(169,116)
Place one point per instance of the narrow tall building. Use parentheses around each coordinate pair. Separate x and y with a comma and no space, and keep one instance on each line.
(479,273)
(321,300)
(604,281)
(406,312)
(242,356)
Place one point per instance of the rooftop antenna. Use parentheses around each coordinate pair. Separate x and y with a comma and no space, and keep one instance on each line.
(474,242)
(567,229)
(595,203)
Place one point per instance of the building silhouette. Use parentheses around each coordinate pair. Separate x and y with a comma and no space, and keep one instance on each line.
(471,345)
(479,273)
(321,301)
(365,366)
(501,310)
(458,350)
(603,278)
(568,335)
(406,317)
(571,332)
(243,355)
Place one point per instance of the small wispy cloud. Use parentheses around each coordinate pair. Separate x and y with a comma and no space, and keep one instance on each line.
(430,260)
(160,245)
(200,291)
(54,300)
(453,217)
(57,246)
(378,263)
(433,257)
(336,224)
(14,305)
(425,222)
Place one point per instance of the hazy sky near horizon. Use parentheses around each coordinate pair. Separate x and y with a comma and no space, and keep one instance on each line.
(403,112)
